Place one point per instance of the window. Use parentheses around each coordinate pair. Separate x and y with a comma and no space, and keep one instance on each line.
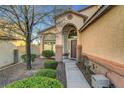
(72,34)
(49,41)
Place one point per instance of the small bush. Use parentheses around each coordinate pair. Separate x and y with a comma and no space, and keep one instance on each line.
(36,82)
(23,57)
(33,56)
(48,53)
(50,64)
(65,54)
(47,73)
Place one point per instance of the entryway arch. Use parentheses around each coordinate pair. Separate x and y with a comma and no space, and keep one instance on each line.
(69,33)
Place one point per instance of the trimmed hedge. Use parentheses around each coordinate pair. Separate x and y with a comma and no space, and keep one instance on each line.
(33,56)
(46,73)
(36,82)
(50,64)
(48,53)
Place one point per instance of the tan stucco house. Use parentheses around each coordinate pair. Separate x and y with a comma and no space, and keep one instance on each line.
(97,33)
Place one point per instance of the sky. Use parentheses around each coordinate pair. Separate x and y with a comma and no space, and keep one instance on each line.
(73,7)
(78,7)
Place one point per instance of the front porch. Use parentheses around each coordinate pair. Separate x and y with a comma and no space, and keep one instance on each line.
(66,43)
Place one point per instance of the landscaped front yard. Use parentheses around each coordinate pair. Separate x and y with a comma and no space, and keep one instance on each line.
(42,75)
(44,78)
(18,71)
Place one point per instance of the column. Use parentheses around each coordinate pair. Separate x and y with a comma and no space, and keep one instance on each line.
(58,48)
(65,43)
(79,47)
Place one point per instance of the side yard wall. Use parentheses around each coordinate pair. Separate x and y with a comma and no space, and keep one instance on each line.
(35,49)
(103,43)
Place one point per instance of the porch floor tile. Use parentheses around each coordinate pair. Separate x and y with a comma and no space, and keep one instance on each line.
(75,78)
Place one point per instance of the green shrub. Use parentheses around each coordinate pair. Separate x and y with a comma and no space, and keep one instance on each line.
(50,64)
(47,73)
(33,56)
(23,57)
(48,53)
(36,82)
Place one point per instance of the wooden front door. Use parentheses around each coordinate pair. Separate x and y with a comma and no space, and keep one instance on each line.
(73,48)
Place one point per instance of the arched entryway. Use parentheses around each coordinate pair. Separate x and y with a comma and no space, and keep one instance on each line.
(69,33)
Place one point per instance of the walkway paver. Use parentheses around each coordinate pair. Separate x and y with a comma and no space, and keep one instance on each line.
(75,78)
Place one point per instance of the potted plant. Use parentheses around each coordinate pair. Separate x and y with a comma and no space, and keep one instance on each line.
(65,55)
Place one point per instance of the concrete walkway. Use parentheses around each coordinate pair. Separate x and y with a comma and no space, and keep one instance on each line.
(75,78)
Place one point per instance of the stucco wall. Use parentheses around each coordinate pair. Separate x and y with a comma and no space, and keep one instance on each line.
(6,53)
(105,37)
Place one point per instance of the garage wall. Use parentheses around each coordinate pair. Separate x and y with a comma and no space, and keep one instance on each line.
(6,53)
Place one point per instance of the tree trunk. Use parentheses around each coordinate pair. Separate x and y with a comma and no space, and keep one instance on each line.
(52,46)
(28,51)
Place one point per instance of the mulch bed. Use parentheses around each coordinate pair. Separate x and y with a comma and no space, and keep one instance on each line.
(61,74)
(86,75)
